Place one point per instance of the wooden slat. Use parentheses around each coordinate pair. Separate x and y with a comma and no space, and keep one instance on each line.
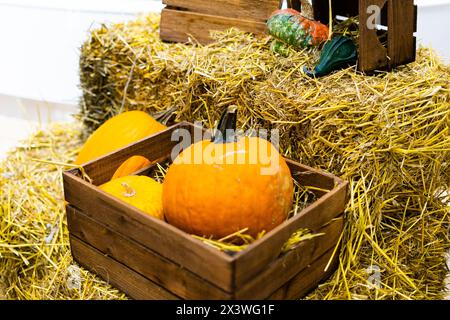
(307,279)
(154,147)
(154,234)
(372,54)
(401,24)
(179,26)
(308,176)
(156,268)
(291,263)
(415,18)
(259,254)
(120,276)
(227,273)
(248,9)
(139,287)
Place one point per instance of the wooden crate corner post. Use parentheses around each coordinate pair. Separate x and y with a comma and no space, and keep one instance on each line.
(398,17)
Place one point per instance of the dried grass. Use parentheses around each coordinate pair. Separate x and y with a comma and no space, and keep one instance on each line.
(387,134)
(35,259)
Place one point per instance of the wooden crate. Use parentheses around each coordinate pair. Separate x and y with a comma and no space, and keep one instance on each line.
(181,19)
(150,259)
(398,16)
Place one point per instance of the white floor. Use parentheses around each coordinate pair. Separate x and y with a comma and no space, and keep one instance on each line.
(12,130)
(19,117)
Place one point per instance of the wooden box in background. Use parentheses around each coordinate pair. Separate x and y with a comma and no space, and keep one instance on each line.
(182,19)
(399,19)
(149,259)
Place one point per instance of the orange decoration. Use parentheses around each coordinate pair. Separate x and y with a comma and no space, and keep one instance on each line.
(227,187)
(130,166)
(117,132)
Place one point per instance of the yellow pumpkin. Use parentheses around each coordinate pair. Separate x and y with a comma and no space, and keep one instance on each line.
(130,166)
(215,188)
(140,191)
(117,132)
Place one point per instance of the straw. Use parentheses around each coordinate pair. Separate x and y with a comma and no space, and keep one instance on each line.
(35,259)
(386,134)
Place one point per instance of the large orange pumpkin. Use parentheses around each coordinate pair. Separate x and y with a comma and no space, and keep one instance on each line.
(117,132)
(215,188)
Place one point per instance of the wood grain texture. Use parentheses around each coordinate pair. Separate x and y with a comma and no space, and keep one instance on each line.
(251,261)
(194,19)
(138,240)
(153,266)
(291,263)
(401,23)
(161,273)
(372,54)
(179,26)
(399,16)
(152,233)
(308,176)
(308,278)
(224,271)
(259,10)
(119,275)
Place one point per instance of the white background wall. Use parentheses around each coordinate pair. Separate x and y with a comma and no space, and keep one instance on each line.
(433,23)
(40,42)
(39,52)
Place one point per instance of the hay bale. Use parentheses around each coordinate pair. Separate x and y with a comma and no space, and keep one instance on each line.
(387,134)
(35,259)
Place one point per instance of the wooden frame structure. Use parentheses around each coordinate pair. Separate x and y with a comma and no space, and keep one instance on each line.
(182,19)
(149,259)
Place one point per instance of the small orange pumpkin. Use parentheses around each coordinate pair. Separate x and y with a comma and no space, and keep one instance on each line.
(140,191)
(117,132)
(215,188)
(130,166)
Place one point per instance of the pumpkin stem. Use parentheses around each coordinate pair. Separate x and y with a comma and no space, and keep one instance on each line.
(129,191)
(226,130)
